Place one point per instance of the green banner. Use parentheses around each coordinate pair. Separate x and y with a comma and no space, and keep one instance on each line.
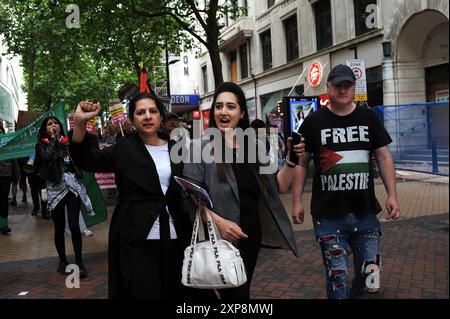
(97,200)
(22,142)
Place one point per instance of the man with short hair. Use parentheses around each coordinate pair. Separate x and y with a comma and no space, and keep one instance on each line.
(175,129)
(341,138)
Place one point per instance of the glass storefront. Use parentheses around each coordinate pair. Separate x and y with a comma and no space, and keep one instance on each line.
(269,102)
(6,109)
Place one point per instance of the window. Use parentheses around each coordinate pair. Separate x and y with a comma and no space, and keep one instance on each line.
(364,21)
(270,3)
(324,36)
(230,15)
(234,4)
(244,61)
(233,66)
(290,29)
(205,78)
(374,78)
(245,7)
(266,44)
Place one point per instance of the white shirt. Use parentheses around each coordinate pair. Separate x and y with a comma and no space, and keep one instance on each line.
(160,155)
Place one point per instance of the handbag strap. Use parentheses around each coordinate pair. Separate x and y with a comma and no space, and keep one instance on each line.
(214,236)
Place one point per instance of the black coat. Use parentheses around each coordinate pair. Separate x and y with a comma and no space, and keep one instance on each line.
(140,198)
(49,162)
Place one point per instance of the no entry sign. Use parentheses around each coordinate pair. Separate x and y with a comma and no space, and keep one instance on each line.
(358,67)
(315,74)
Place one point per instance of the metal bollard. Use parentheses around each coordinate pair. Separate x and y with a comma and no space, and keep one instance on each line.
(434,158)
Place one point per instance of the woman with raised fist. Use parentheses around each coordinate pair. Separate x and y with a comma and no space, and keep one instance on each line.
(148,230)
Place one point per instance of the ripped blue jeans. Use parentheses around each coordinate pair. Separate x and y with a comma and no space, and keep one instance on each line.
(335,236)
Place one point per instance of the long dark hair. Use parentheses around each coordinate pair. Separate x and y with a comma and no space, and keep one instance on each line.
(43,129)
(243,123)
(231,87)
(162,132)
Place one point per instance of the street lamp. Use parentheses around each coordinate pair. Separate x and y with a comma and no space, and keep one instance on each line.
(167,71)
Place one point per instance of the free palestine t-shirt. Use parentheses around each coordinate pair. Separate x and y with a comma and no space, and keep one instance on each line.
(341,147)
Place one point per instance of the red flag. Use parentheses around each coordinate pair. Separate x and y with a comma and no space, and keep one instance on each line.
(328,159)
(143,88)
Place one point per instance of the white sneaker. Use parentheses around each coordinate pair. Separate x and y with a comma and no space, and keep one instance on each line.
(88,233)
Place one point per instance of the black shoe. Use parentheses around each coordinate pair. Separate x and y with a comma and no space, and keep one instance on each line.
(83,271)
(13,202)
(5,230)
(62,268)
(34,212)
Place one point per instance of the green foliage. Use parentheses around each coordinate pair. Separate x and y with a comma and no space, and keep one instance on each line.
(86,63)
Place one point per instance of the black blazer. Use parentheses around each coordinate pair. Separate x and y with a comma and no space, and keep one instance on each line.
(140,195)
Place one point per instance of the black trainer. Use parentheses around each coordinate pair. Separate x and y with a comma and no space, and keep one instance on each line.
(83,271)
(62,268)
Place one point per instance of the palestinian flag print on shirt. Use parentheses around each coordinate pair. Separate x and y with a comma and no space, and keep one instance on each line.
(345,170)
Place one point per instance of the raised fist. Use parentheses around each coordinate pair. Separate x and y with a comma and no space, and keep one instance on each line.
(86,111)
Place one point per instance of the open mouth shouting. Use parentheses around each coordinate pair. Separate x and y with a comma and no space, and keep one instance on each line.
(225,122)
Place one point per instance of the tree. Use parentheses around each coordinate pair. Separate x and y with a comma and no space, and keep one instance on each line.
(27,27)
(117,36)
(90,62)
(201,21)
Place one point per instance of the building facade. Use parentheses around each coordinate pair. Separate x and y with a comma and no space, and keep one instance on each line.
(12,98)
(404,44)
(270,50)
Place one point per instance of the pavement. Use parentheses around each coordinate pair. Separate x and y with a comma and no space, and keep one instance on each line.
(414,252)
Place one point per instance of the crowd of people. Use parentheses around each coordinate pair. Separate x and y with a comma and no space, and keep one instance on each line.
(152,221)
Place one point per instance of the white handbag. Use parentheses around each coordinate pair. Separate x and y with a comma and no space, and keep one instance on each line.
(213,263)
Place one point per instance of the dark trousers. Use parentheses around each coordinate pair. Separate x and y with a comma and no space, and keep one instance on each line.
(73,205)
(145,270)
(35,191)
(148,272)
(5,184)
(249,249)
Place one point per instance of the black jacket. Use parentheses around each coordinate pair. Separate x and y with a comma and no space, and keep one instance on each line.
(140,200)
(49,162)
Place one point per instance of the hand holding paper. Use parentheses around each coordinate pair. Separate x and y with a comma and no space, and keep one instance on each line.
(195,190)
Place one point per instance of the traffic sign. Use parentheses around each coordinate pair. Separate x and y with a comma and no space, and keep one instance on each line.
(358,67)
(358,73)
(315,74)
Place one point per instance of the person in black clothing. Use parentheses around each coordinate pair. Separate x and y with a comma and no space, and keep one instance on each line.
(54,165)
(9,172)
(36,187)
(148,231)
(341,138)
(22,183)
(247,208)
